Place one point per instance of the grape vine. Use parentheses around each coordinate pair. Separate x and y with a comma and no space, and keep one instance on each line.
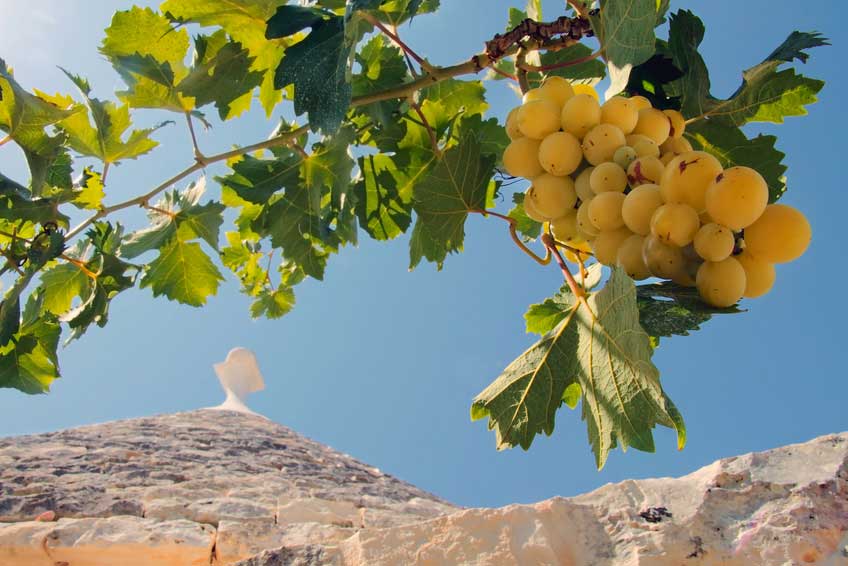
(389,143)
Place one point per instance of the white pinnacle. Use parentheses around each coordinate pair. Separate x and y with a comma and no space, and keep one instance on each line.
(239,376)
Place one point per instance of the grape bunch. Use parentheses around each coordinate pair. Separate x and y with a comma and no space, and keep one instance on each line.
(620,180)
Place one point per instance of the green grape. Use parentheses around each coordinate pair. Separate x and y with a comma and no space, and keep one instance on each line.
(678,125)
(620,112)
(714,242)
(639,102)
(521,158)
(759,275)
(631,259)
(662,260)
(587,230)
(645,170)
(654,124)
(606,244)
(560,153)
(552,196)
(565,227)
(600,143)
(687,176)
(644,146)
(608,177)
(538,118)
(586,89)
(530,208)
(557,90)
(624,156)
(580,114)
(582,186)
(512,124)
(779,235)
(721,283)
(605,211)
(737,197)
(639,206)
(675,224)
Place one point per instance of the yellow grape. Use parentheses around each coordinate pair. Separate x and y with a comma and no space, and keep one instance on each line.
(521,158)
(605,211)
(532,94)
(624,156)
(600,143)
(677,123)
(580,114)
(608,177)
(654,124)
(557,90)
(631,259)
(538,118)
(645,170)
(620,112)
(560,153)
(512,124)
(780,234)
(606,244)
(666,158)
(721,283)
(759,275)
(662,260)
(676,146)
(675,223)
(687,176)
(639,206)
(565,227)
(644,146)
(552,196)
(640,102)
(584,224)
(683,278)
(582,186)
(584,249)
(586,89)
(737,197)
(714,242)
(530,208)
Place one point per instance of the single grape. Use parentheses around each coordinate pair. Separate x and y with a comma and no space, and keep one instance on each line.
(560,153)
(565,227)
(624,156)
(645,170)
(639,206)
(512,124)
(663,261)
(721,283)
(687,176)
(644,146)
(606,244)
(532,94)
(600,143)
(530,208)
(631,259)
(605,211)
(677,123)
(586,89)
(779,235)
(654,124)
(557,90)
(552,196)
(582,186)
(587,230)
(737,197)
(759,275)
(538,118)
(666,158)
(608,177)
(620,112)
(675,223)
(676,146)
(714,242)
(521,158)
(580,252)
(640,102)
(580,114)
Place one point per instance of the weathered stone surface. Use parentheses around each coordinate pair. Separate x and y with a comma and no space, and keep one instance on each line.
(238,540)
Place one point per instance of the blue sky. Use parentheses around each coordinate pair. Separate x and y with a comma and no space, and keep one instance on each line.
(382,363)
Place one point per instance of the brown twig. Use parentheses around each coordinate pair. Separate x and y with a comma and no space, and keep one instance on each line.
(5,139)
(515,238)
(539,33)
(502,73)
(398,41)
(550,245)
(198,155)
(105,172)
(521,70)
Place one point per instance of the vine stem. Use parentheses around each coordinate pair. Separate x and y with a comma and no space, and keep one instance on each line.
(503,73)
(198,155)
(550,245)
(79,265)
(398,41)
(563,64)
(515,238)
(430,132)
(6,139)
(105,172)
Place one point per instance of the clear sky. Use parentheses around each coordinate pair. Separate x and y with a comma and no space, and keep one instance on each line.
(382,363)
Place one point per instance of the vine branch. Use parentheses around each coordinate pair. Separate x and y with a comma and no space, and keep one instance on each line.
(550,245)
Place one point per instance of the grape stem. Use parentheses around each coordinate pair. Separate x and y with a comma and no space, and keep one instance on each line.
(430,132)
(550,245)
(521,66)
(553,66)
(425,66)
(515,237)
(198,155)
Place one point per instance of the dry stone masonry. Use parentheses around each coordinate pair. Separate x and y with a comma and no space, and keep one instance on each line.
(223,488)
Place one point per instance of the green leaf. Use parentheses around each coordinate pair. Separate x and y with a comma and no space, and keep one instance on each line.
(524,225)
(90,193)
(397,12)
(29,364)
(458,184)
(651,78)
(384,200)
(382,67)
(201,221)
(666,309)
(589,70)
(273,303)
(255,180)
(544,317)
(60,285)
(327,171)
(625,29)
(183,273)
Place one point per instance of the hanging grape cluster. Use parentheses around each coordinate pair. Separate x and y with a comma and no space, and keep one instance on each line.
(618,180)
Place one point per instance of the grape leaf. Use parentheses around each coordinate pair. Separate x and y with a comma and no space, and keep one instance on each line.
(651,78)
(666,309)
(625,29)
(382,67)
(255,180)
(90,194)
(588,70)
(61,285)
(456,185)
(384,201)
(598,346)
(396,12)
(524,225)
(183,273)
(273,303)
(29,363)
(327,170)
